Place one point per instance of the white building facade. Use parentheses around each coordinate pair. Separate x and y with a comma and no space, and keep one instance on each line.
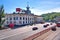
(19,19)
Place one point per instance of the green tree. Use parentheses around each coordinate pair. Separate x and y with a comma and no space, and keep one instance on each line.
(2,15)
(50,16)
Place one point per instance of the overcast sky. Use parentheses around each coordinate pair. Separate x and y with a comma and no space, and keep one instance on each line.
(37,7)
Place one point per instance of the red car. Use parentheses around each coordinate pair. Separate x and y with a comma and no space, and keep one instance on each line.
(11,25)
(58,24)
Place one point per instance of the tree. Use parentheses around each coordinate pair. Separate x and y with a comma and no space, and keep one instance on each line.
(1,16)
(50,16)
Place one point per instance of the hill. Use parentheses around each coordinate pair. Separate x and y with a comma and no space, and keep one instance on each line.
(50,16)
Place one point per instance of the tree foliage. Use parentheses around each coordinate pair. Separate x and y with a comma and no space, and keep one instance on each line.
(2,15)
(50,16)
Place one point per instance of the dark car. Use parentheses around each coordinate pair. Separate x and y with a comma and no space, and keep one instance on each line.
(34,28)
(45,25)
(53,28)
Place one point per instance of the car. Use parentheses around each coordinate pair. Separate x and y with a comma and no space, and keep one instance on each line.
(44,26)
(47,24)
(34,28)
(58,24)
(53,28)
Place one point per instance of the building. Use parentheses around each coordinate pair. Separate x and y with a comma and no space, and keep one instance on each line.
(38,19)
(19,19)
(57,19)
(22,17)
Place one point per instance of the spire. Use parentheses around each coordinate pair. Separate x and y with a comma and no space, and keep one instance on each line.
(28,11)
(27,6)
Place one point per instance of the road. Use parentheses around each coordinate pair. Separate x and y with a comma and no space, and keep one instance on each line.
(21,33)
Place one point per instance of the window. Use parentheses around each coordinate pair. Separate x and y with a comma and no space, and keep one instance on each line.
(10,18)
(26,21)
(20,18)
(16,18)
(26,18)
(30,18)
(30,22)
(23,22)
(23,18)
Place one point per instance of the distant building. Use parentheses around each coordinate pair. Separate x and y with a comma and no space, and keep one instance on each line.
(57,19)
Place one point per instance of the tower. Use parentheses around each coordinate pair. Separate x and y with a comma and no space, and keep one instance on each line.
(27,6)
(27,9)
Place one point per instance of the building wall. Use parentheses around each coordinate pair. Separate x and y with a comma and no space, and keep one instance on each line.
(19,19)
(39,19)
(57,19)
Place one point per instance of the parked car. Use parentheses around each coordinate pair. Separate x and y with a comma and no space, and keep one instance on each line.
(34,28)
(46,25)
(58,24)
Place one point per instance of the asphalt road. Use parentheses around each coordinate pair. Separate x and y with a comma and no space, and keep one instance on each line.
(21,33)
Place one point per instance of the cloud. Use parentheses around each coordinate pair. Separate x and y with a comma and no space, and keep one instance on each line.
(39,12)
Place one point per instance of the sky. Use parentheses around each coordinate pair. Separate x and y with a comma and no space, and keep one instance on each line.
(37,7)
